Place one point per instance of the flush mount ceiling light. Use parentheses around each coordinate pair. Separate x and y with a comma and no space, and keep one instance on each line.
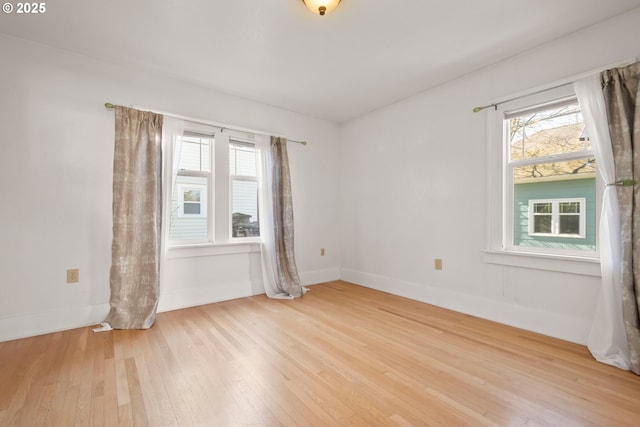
(321,7)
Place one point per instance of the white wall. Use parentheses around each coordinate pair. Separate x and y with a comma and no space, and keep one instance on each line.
(58,138)
(413,188)
(405,184)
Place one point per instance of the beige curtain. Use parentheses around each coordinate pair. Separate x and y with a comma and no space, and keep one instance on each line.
(620,89)
(137,219)
(287,271)
(279,271)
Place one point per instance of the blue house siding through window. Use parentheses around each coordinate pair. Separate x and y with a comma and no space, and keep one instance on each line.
(556,189)
(186,227)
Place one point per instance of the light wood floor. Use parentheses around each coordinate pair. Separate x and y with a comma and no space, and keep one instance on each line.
(341,355)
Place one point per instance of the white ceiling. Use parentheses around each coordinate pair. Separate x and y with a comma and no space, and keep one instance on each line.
(366,54)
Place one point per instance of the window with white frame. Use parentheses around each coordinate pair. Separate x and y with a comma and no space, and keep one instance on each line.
(557,217)
(550,159)
(215,196)
(193,201)
(244,190)
(189,220)
(543,198)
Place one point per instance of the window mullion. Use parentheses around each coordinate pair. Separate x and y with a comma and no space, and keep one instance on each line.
(185,172)
(555,218)
(551,159)
(222,187)
(243,178)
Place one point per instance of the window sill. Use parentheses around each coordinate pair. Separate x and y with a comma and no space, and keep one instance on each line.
(213,249)
(587,266)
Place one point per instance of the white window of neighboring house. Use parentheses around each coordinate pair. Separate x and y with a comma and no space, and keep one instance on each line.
(193,202)
(244,190)
(543,189)
(557,217)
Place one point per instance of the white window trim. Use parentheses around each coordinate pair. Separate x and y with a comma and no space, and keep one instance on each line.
(562,263)
(499,217)
(189,250)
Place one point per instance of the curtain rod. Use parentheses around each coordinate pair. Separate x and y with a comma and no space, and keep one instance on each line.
(514,98)
(559,84)
(221,127)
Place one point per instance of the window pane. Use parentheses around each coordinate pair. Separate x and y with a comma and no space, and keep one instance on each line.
(192,196)
(242,159)
(570,207)
(244,208)
(542,224)
(551,171)
(192,208)
(194,154)
(542,208)
(554,131)
(570,224)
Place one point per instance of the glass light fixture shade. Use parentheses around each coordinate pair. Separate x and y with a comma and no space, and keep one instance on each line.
(321,7)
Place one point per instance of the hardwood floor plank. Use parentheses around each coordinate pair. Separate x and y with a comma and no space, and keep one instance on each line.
(341,355)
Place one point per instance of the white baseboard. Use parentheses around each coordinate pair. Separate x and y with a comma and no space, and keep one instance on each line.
(192,297)
(556,325)
(200,296)
(309,278)
(29,325)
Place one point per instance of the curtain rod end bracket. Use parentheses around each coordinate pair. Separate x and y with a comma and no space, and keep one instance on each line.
(478,109)
(108,105)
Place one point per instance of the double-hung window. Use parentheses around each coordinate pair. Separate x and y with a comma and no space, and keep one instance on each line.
(215,196)
(244,190)
(550,174)
(543,198)
(189,222)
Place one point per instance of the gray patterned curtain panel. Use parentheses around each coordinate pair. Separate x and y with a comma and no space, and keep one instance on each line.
(287,271)
(137,219)
(620,89)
